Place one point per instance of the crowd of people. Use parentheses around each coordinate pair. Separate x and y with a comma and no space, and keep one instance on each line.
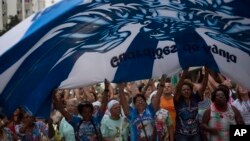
(200,107)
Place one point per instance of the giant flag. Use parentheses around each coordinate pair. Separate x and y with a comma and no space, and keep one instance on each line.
(75,43)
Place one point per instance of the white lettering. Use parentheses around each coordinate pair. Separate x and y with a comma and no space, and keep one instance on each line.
(239,132)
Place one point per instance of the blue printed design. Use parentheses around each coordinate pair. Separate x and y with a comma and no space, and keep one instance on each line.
(187,122)
(76,27)
(140,122)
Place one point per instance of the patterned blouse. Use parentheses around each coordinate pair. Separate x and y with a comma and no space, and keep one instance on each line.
(222,122)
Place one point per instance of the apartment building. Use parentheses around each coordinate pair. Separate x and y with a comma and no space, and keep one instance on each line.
(50,2)
(20,8)
(38,5)
(3,14)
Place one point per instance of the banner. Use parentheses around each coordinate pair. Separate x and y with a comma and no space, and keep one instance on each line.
(78,43)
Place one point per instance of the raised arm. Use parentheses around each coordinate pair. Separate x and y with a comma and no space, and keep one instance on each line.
(156,104)
(179,85)
(66,95)
(105,96)
(123,100)
(59,106)
(214,79)
(111,92)
(77,93)
(150,83)
(204,83)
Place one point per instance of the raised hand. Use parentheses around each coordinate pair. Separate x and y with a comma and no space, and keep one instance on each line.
(106,84)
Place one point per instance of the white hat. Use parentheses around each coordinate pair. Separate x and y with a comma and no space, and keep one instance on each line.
(111,104)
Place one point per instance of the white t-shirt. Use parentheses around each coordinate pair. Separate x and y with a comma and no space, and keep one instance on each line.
(244,108)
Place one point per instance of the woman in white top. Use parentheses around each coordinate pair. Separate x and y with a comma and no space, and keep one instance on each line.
(242,103)
(114,127)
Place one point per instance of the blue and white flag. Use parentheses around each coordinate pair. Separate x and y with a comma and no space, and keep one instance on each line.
(76,43)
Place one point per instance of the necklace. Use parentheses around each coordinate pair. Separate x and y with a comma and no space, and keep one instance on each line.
(221,115)
(221,111)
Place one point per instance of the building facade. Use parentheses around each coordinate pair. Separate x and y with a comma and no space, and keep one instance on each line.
(20,8)
(3,14)
(38,5)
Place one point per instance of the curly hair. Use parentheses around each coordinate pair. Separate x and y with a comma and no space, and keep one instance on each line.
(137,96)
(85,104)
(224,90)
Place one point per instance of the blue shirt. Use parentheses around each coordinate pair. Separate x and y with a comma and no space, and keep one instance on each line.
(147,118)
(40,128)
(187,122)
(87,130)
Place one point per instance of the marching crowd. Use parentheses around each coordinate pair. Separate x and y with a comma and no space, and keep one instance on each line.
(200,107)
